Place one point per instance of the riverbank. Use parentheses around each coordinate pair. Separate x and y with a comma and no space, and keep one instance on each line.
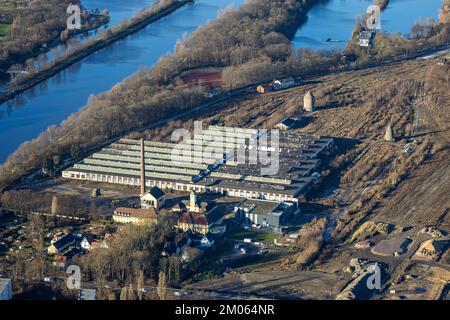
(99,22)
(109,37)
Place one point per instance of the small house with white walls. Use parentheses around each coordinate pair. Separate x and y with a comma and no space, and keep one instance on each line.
(155,198)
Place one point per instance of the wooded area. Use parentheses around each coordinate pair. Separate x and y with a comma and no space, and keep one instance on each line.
(33,29)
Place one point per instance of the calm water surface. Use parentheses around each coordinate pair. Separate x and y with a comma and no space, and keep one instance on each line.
(335,19)
(55,99)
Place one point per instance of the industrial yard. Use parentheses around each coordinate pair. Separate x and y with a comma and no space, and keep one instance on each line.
(209,163)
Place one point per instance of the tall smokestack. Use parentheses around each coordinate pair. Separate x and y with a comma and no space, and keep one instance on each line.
(142,168)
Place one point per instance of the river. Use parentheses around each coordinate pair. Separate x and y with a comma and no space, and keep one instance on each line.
(335,19)
(54,100)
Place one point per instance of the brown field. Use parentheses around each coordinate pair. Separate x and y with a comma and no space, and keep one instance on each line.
(423,199)
(209,79)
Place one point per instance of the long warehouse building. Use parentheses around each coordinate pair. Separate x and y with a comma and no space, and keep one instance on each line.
(209,162)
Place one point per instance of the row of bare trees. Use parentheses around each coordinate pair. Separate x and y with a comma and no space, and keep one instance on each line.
(26,201)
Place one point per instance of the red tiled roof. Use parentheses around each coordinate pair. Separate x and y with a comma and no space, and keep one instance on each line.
(204,219)
(194,218)
(60,259)
(96,245)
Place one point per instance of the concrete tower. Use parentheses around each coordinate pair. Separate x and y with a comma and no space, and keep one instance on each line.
(309,102)
(389,136)
(142,168)
(193,205)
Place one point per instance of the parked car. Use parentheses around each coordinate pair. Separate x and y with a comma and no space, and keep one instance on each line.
(48,279)
(180,293)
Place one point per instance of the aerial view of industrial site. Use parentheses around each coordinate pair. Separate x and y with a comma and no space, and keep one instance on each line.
(224,158)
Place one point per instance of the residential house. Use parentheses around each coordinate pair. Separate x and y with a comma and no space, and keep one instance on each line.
(5,289)
(62,244)
(286,124)
(60,261)
(135,216)
(180,207)
(283,84)
(175,247)
(366,39)
(57,237)
(202,223)
(155,198)
(263,88)
(182,241)
(74,251)
(87,242)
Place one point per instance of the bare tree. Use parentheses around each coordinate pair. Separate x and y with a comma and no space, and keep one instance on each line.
(162,286)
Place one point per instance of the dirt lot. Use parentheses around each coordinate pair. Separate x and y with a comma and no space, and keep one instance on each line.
(423,199)
(421,282)
(289,285)
(207,78)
